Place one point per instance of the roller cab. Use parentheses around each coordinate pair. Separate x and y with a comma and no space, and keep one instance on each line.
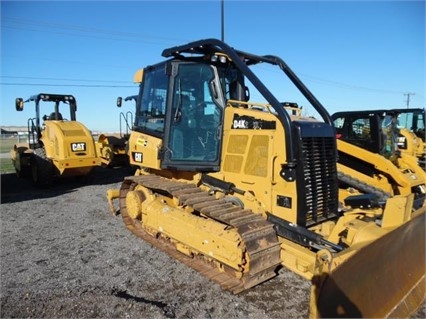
(58,145)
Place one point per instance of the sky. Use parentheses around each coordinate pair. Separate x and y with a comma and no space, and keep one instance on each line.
(352,55)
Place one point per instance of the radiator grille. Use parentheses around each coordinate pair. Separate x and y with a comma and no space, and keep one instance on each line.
(320,179)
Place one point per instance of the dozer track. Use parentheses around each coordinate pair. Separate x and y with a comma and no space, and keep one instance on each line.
(257,234)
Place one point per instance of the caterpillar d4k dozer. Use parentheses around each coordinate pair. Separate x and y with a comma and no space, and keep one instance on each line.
(369,159)
(112,149)
(236,188)
(57,147)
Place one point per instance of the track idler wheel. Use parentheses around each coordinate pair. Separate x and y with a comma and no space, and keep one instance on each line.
(134,200)
(137,199)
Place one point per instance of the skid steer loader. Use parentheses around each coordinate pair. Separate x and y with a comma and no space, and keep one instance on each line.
(411,140)
(236,188)
(369,158)
(112,149)
(57,147)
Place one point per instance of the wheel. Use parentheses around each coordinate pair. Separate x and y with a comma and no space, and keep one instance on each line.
(20,160)
(24,172)
(41,168)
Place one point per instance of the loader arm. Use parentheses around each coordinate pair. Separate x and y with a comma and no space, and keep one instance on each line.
(404,176)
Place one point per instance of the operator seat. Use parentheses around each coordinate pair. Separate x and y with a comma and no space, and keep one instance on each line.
(53,117)
(181,132)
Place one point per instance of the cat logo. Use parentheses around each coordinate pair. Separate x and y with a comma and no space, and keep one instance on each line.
(137,157)
(78,147)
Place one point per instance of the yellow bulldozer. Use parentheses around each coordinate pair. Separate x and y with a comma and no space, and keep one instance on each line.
(236,188)
(57,146)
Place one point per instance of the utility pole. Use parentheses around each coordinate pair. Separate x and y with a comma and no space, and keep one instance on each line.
(222,20)
(408,98)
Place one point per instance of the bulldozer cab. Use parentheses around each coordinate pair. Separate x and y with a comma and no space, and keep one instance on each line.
(191,124)
(188,117)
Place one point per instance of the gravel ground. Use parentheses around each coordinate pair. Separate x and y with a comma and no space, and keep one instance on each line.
(64,255)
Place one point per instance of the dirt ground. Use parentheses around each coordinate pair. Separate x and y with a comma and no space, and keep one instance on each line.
(64,255)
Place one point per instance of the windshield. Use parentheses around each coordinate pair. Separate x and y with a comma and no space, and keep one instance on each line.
(150,113)
(389,135)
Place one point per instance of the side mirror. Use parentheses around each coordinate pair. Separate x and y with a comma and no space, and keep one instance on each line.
(247,93)
(119,101)
(19,104)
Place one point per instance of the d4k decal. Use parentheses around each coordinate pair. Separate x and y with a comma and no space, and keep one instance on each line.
(248,122)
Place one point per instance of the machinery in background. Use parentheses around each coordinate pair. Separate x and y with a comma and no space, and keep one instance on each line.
(56,146)
(369,159)
(112,149)
(411,140)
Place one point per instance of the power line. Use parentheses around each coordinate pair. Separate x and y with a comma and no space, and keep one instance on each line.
(338,84)
(69,85)
(60,79)
(79,62)
(351,86)
(83,31)
(109,38)
(79,28)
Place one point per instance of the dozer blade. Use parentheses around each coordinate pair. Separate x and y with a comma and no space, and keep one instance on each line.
(385,279)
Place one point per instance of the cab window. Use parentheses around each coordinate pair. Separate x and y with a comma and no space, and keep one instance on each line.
(150,114)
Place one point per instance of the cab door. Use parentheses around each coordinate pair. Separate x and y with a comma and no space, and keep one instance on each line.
(193,135)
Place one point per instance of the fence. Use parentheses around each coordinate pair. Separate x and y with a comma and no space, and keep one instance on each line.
(8,140)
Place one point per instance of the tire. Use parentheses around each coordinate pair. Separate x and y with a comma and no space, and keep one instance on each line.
(24,172)
(41,168)
(24,164)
